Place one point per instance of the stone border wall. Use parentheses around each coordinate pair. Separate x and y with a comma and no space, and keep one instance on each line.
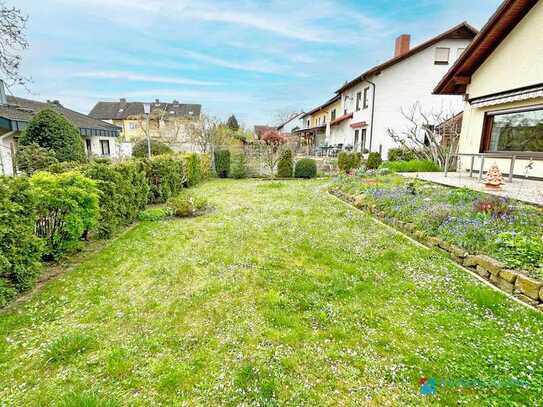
(527,289)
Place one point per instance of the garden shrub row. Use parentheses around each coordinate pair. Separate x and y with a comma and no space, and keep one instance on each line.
(411,166)
(44,216)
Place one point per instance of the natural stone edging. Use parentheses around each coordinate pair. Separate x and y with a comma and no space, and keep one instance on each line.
(529,290)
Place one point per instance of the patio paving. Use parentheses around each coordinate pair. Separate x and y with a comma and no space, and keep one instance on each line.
(522,189)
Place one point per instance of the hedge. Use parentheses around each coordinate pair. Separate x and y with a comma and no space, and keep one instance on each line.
(222,163)
(374,161)
(20,248)
(49,214)
(305,168)
(349,161)
(401,154)
(157,148)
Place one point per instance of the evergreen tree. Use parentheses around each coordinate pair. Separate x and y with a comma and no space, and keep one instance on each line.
(232,123)
(50,130)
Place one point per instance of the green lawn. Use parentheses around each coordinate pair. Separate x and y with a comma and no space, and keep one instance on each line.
(282,295)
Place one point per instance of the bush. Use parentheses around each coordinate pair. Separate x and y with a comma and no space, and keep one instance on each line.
(187,204)
(205,164)
(67,207)
(239,166)
(50,130)
(123,193)
(285,166)
(154,214)
(59,168)
(222,163)
(348,161)
(31,158)
(166,176)
(517,249)
(193,169)
(157,148)
(374,161)
(305,168)
(411,166)
(401,154)
(20,249)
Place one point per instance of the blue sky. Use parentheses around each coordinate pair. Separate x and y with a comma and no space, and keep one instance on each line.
(252,58)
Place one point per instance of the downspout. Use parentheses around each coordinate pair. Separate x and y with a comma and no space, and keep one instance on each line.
(372,111)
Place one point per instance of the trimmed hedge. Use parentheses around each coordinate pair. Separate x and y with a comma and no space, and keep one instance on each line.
(411,166)
(348,161)
(374,161)
(238,168)
(401,154)
(20,248)
(285,166)
(305,168)
(193,169)
(157,148)
(166,176)
(222,163)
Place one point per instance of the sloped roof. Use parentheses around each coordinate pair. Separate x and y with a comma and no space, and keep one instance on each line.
(124,110)
(327,103)
(502,22)
(261,129)
(22,110)
(291,118)
(460,31)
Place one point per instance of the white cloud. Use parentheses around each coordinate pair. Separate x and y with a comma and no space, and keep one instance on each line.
(129,76)
(262,67)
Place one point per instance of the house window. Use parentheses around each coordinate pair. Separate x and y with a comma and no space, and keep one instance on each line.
(324,119)
(358,99)
(132,126)
(308,123)
(356,136)
(442,56)
(333,115)
(104,145)
(363,141)
(365,105)
(88,144)
(514,131)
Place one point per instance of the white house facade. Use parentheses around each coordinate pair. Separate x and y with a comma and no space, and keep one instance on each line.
(372,104)
(501,77)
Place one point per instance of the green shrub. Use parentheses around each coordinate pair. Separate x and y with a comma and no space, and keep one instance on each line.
(239,166)
(517,249)
(155,214)
(401,154)
(67,207)
(20,249)
(374,161)
(31,158)
(285,166)
(348,161)
(66,166)
(205,164)
(411,166)
(193,169)
(305,168)
(123,193)
(166,176)
(187,204)
(222,163)
(50,130)
(157,148)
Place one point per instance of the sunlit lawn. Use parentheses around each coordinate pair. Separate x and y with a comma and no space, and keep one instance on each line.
(282,295)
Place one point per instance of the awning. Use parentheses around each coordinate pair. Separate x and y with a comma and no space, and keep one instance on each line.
(508,97)
(341,118)
(359,125)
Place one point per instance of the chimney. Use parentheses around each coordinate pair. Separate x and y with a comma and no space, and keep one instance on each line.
(157,101)
(3,99)
(402,45)
(122,100)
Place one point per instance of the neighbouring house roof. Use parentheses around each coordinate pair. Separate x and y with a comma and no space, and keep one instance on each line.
(310,129)
(124,110)
(460,31)
(502,22)
(16,114)
(327,103)
(261,129)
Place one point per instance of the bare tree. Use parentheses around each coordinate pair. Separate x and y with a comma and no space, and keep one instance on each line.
(283,115)
(208,134)
(273,143)
(430,135)
(12,43)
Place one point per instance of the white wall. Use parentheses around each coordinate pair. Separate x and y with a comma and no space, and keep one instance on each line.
(6,163)
(400,86)
(96,149)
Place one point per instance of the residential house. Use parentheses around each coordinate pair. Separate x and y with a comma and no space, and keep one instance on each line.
(171,123)
(316,124)
(372,103)
(100,138)
(501,77)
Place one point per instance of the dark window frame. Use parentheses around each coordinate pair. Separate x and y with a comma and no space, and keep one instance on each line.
(358,100)
(365,103)
(104,143)
(488,123)
(333,115)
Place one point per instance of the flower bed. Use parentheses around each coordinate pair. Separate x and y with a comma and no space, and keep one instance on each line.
(500,239)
